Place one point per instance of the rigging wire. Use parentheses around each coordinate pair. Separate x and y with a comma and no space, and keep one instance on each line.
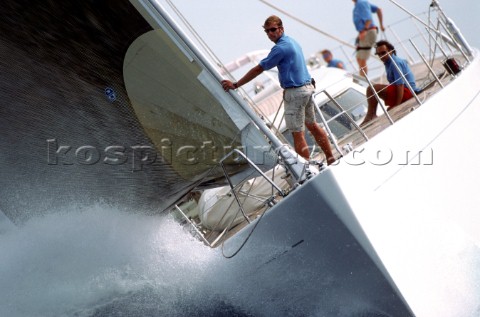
(216,60)
(308,25)
(197,36)
(244,241)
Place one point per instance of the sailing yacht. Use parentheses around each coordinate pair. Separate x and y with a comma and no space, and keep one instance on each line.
(288,214)
(138,117)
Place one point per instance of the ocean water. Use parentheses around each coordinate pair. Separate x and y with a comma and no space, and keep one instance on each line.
(105,261)
(102,261)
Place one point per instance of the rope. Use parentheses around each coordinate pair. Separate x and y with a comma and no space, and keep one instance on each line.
(308,25)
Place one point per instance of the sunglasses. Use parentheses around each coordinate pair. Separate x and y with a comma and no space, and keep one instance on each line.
(381,53)
(271,30)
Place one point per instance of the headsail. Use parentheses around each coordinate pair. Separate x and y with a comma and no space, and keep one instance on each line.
(183,109)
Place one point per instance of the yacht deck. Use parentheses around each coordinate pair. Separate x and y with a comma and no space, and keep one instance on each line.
(429,86)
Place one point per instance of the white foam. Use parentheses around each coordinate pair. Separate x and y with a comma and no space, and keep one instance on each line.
(65,262)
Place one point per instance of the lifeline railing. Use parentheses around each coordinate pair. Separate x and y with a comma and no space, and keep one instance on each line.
(454,42)
(233,209)
(435,39)
(342,112)
(444,34)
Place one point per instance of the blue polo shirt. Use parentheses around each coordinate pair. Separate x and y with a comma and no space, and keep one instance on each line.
(334,63)
(394,77)
(288,57)
(362,12)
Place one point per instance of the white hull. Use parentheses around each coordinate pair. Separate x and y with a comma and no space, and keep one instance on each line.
(419,211)
(422,217)
(309,256)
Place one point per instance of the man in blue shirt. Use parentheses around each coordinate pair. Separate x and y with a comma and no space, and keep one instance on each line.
(398,90)
(294,78)
(331,62)
(367,30)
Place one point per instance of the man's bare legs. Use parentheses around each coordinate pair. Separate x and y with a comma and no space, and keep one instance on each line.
(300,144)
(320,137)
(372,101)
(363,69)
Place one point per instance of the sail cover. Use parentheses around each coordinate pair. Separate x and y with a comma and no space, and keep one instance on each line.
(183,109)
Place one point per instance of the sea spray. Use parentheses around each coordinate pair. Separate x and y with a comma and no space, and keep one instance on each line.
(68,263)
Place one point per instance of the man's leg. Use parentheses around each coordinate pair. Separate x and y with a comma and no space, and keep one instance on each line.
(300,144)
(372,106)
(318,134)
(363,54)
(321,138)
(295,100)
(362,65)
(372,101)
